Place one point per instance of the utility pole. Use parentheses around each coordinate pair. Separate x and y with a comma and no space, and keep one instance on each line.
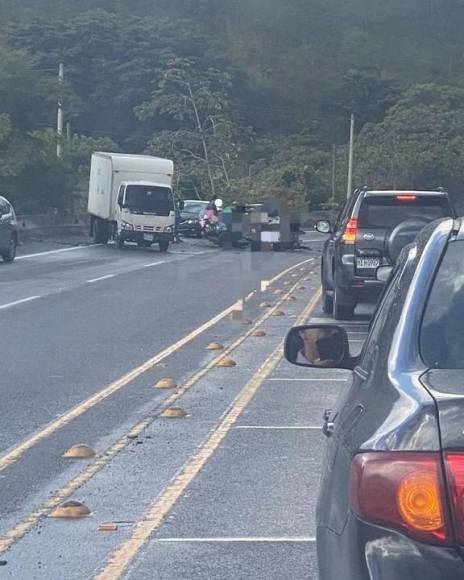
(334,173)
(68,132)
(349,189)
(59,126)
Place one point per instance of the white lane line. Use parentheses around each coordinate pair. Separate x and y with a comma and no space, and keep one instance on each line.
(17,302)
(280,427)
(101,278)
(155,264)
(258,539)
(61,250)
(309,380)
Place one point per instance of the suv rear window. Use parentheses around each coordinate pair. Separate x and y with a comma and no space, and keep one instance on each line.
(442,334)
(389,211)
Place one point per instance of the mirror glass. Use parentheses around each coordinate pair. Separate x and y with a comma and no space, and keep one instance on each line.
(323,227)
(317,346)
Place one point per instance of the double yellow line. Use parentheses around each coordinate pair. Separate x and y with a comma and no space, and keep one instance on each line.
(65,492)
(123,556)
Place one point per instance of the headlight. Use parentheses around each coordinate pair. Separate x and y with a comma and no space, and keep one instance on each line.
(190,221)
(168,229)
(127,226)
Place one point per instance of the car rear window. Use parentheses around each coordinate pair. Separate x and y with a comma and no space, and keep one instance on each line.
(442,334)
(389,211)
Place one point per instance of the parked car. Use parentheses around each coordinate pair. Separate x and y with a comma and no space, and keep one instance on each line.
(370,232)
(191,218)
(8,231)
(391,500)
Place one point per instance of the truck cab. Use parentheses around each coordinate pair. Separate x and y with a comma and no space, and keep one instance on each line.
(144,214)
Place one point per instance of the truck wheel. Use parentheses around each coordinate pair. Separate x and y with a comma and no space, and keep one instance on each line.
(163,245)
(119,242)
(10,254)
(101,231)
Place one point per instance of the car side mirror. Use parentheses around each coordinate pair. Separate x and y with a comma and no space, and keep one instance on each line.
(323,227)
(318,346)
(384,273)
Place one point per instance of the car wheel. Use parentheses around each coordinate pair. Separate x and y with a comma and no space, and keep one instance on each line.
(164,245)
(327,302)
(342,309)
(10,254)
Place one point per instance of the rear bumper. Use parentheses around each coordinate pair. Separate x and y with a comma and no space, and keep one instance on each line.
(368,552)
(349,281)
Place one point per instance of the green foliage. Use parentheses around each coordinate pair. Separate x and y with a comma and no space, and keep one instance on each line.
(248,97)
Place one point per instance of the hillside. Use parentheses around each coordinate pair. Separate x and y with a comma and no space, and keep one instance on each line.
(273,81)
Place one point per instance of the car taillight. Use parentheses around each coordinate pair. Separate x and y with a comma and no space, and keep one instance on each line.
(351,231)
(455,475)
(403,490)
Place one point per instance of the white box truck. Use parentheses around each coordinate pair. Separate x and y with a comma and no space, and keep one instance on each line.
(131,199)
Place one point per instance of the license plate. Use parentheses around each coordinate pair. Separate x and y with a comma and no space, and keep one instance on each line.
(366,263)
(148,237)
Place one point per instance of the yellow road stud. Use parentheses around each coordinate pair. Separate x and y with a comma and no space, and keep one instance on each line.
(71,510)
(166,383)
(226,363)
(80,452)
(174,413)
(215,346)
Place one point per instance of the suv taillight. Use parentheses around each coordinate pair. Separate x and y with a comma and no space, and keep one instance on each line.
(351,231)
(455,474)
(403,490)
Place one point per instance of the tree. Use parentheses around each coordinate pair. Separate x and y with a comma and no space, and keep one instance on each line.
(419,145)
(196,98)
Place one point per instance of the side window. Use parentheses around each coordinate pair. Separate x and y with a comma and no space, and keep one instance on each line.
(389,311)
(442,332)
(121,195)
(372,346)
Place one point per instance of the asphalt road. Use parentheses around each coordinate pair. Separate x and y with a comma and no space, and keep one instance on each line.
(226,492)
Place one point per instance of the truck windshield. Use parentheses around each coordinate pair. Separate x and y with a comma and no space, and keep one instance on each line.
(149,199)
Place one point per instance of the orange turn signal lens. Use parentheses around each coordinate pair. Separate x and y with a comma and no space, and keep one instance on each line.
(351,231)
(419,501)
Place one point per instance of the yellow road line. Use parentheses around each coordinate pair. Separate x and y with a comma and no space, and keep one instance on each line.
(14,454)
(21,529)
(123,556)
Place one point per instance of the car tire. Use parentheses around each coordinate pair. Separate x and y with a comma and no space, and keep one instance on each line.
(163,245)
(10,254)
(342,309)
(327,302)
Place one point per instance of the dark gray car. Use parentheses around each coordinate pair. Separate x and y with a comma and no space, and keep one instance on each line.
(391,503)
(8,231)
(370,232)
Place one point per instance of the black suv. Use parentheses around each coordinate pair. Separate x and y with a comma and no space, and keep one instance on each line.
(8,231)
(370,232)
